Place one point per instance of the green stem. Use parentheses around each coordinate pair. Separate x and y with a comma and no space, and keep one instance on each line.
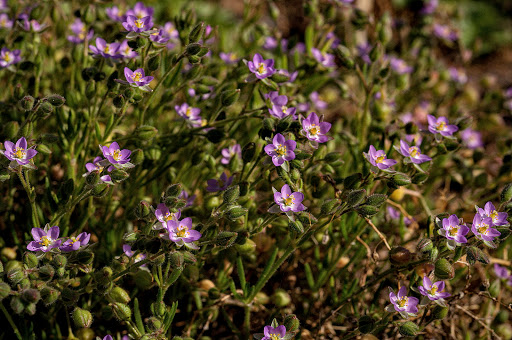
(11,322)
(31,197)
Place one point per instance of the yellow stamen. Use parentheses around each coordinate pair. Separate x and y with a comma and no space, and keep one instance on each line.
(433,291)
(441,126)
(139,23)
(414,151)
(380,159)
(281,150)
(182,231)
(7,56)
(289,200)
(45,241)
(275,337)
(402,302)
(483,229)
(137,76)
(261,68)
(453,231)
(19,153)
(107,49)
(284,109)
(116,155)
(494,215)
(169,216)
(188,112)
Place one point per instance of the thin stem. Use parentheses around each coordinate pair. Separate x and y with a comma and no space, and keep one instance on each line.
(11,322)
(31,197)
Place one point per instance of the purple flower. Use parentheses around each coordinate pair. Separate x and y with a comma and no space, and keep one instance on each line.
(116,155)
(498,218)
(325,59)
(291,77)
(281,150)
(445,32)
(501,272)
(402,303)
(8,57)
(181,233)
(126,51)
(317,101)
(5,22)
(127,249)
(172,33)
(335,40)
(379,158)
(115,14)
(190,114)
(140,11)
(190,199)
(80,32)
(270,43)
(102,49)
(472,139)
(440,125)
(271,333)
(430,7)
(262,68)
(96,165)
(395,214)
(229,58)
(453,230)
(30,25)
(483,230)
(314,130)
(458,75)
(137,78)
(18,152)
(137,25)
(399,66)
(413,152)
(74,243)
(44,240)
(229,152)
(107,337)
(280,109)
(159,37)
(434,291)
(288,201)
(219,185)
(363,50)
(163,215)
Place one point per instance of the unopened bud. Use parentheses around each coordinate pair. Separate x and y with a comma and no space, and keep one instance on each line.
(196,33)
(229,97)
(440,312)
(49,295)
(31,295)
(291,322)
(121,311)
(118,294)
(27,103)
(82,318)
(443,269)
(231,194)
(56,100)
(192,49)
(409,328)
(399,256)
(30,260)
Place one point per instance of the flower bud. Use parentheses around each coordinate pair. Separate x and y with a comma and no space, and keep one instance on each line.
(399,256)
(291,323)
(11,129)
(118,294)
(280,78)
(343,54)
(56,100)
(60,261)
(231,194)
(229,97)
(27,129)
(27,103)
(69,296)
(173,190)
(137,157)
(121,311)
(440,312)
(119,175)
(235,212)
(226,238)
(137,97)
(443,269)
(494,289)
(30,260)
(5,290)
(247,247)
(366,324)
(85,334)
(281,298)
(506,193)
(146,132)
(356,196)
(143,279)
(31,295)
(203,51)
(401,180)
(92,178)
(128,93)
(424,246)
(17,305)
(409,328)
(46,108)
(367,210)
(15,275)
(295,226)
(176,259)
(192,49)
(154,324)
(100,190)
(49,295)
(196,33)
(82,318)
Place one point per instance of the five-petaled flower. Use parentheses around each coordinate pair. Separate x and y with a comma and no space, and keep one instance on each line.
(181,233)
(498,218)
(8,57)
(405,305)
(280,108)
(288,201)
(102,49)
(433,291)
(138,78)
(75,242)
(80,32)
(440,125)
(453,230)
(314,129)
(230,152)
(413,152)
(229,58)
(219,185)
(378,158)
(190,114)
(163,215)
(96,165)
(45,239)
(138,25)
(18,152)
(483,229)
(274,333)
(127,250)
(115,155)
(472,138)
(262,68)
(281,150)
(399,66)
(324,59)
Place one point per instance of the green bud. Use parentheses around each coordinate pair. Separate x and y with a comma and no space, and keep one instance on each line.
(196,33)
(440,312)
(44,149)
(82,318)
(5,290)
(399,256)
(329,206)
(10,265)
(291,322)
(176,259)
(4,176)
(226,238)
(85,334)
(356,196)
(444,270)
(154,324)
(121,311)
(118,294)
(229,97)
(401,179)
(281,298)
(60,261)
(137,156)
(30,260)
(27,103)
(367,210)
(11,129)
(31,295)
(143,279)
(235,212)
(296,226)
(424,246)
(119,175)
(409,328)
(246,248)
(202,52)
(366,324)
(92,178)
(173,190)
(46,107)
(192,49)
(17,305)
(376,200)
(154,62)
(189,257)
(231,194)
(56,100)
(128,93)
(502,316)
(494,289)
(213,293)
(280,78)
(49,138)
(49,295)
(194,59)
(248,152)
(506,193)
(137,97)
(419,178)
(69,296)
(332,157)
(15,275)
(344,56)
(146,132)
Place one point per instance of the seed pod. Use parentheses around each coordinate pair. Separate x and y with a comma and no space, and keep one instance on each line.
(15,275)
(494,289)
(137,156)
(17,305)
(49,295)
(119,175)
(409,329)
(30,260)
(146,132)
(226,238)
(229,97)
(399,256)
(401,179)
(291,322)
(82,318)
(440,312)
(154,324)
(100,190)
(121,311)
(176,259)
(143,279)
(367,210)
(444,270)
(506,193)
(69,296)
(376,200)
(27,103)
(366,324)
(424,246)
(173,190)
(296,226)
(118,294)
(11,129)
(31,295)
(235,212)
(356,196)
(192,49)
(60,261)
(231,194)
(344,55)
(5,290)
(281,298)
(246,248)
(56,100)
